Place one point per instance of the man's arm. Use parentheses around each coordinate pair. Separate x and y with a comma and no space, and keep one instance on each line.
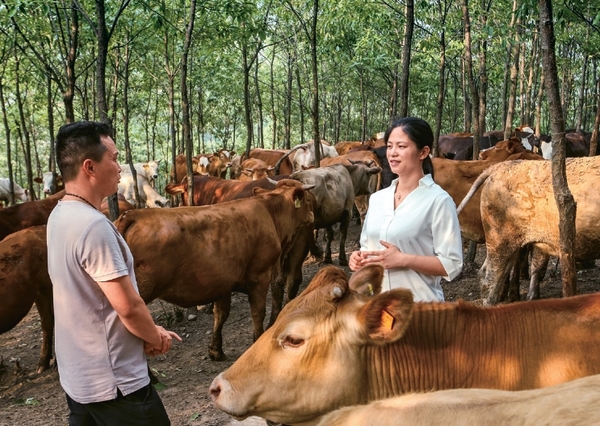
(134,314)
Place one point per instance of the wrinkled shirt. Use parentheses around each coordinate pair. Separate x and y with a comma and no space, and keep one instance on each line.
(425,223)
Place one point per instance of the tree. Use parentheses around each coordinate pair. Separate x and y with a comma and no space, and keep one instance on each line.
(567,208)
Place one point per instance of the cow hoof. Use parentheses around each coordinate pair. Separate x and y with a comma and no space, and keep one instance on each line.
(216,355)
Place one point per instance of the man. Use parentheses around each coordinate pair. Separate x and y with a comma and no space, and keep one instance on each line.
(103,327)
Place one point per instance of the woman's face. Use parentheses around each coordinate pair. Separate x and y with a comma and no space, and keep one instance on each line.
(403,155)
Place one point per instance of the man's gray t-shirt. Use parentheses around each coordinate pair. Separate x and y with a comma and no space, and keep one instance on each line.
(95,353)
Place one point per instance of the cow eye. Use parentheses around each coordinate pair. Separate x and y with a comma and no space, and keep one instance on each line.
(291,342)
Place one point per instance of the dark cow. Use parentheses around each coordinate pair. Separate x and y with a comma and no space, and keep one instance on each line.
(459,146)
(197,255)
(516,191)
(24,280)
(343,343)
(335,188)
(30,213)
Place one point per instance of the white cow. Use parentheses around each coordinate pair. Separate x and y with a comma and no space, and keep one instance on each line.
(148,170)
(305,155)
(50,184)
(20,193)
(568,404)
(148,195)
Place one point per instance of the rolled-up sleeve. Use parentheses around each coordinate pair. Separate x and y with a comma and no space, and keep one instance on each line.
(447,241)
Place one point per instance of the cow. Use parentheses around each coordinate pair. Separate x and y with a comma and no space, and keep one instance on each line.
(213,190)
(149,197)
(568,404)
(576,145)
(121,202)
(369,159)
(234,246)
(342,343)
(516,191)
(24,280)
(459,146)
(220,161)
(254,169)
(272,157)
(19,192)
(305,154)
(510,149)
(345,146)
(52,183)
(31,213)
(148,170)
(200,165)
(335,189)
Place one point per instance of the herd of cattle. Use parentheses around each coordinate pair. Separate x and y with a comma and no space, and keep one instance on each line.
(260,224)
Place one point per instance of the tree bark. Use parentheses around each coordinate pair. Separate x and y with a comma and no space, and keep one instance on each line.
(471,79)
(8,147)
(567,208)
(25,130)
(514,76)
(185,105)
(409,11)
(315,79)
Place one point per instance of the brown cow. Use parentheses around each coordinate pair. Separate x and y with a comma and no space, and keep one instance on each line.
(254,169)
(510,149)
(573,403)
(271,157)
(30,213)
(122,204)
(345,146)
(516,191)
(181,166)
(235,246)
(24,280)
(343,343)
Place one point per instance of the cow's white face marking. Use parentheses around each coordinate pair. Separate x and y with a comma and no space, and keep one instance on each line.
(546,150)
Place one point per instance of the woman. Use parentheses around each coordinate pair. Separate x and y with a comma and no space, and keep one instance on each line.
(411,227)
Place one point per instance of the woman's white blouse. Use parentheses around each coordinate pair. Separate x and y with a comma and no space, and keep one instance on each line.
(425,223)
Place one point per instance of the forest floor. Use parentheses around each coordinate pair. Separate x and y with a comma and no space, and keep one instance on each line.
(185,373)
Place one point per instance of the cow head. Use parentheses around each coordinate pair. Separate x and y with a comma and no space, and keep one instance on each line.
(309,362)
(502,150)
(51,183)
(151,169)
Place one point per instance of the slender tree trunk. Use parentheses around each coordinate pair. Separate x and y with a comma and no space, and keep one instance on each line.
(441,85)
(507,66)
(483,77)
(300,103)
(394,94)
(471,79)
(69,93)
(25,133)
(102,43)
(409,10)
(8,147)
(582,87)
(185,105)
(315,80)
(567,208)
(594,138)
(538,107)
(259,105)
(52,156)
(532,67)
(247,109)
(514,76)
(468,106)
(287,106)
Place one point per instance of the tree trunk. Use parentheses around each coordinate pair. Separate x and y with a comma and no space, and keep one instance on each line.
(315,79)
(583,84)
(23,124)
(247,109)
(471,79)
(409,10)
(507,66)
(532,67)
(185,106)
(8,147)
(567,208)
(594,138)
(514,75)
(538,107)
(287,106)
(441,85)
(483,77)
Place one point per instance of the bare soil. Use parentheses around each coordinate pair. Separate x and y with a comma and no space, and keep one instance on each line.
(185,373)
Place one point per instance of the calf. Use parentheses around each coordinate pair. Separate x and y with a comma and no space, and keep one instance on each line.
(568,404)
(235,246)
(343,343)
(24,280)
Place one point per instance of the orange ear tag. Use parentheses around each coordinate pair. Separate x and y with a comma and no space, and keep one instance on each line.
(387,320)
(297,203)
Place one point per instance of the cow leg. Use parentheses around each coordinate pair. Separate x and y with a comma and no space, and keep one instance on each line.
(43,303)
(329,232)
(257,296)
(493,274)
(277,296)
(221,313)
(537,271)
(344,223)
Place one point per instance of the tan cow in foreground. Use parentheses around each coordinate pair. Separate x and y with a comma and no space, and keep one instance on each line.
(197,255)
(573,403)
(343,343)
(24,280)
(517,191)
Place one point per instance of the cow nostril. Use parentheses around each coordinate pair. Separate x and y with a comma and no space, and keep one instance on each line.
(215,391)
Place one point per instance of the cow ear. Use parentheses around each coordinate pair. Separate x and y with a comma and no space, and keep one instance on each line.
(511,146)
(38,180)
(367,280)
(386,317)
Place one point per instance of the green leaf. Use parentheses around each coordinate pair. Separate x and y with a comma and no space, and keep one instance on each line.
(160,386)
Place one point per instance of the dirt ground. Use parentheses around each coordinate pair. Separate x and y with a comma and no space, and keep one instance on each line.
(186,371)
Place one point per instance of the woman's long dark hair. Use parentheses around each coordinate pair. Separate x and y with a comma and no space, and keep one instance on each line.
(419,131)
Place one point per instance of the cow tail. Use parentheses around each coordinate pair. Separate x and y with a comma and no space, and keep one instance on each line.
(478,182)
(122,223)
